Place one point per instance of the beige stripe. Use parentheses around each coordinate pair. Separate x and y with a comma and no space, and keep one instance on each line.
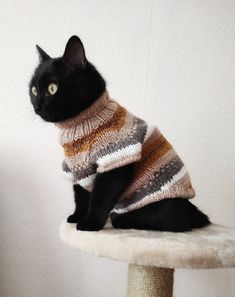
(113,136)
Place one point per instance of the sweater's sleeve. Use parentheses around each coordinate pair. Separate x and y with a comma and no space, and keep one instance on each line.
(67,172)
(83,177)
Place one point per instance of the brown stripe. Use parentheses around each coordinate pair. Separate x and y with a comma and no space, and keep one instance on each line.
(153,149)
(84,144)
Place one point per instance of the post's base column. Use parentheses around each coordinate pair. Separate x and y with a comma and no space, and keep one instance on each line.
(149,281)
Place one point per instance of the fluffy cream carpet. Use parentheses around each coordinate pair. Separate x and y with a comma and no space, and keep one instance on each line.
(210,247)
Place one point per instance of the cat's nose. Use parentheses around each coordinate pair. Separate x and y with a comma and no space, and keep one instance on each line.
(38,104)
(37,107)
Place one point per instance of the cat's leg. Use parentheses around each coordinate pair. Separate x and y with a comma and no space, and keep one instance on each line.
(82,199)
(108,187)
(177,215)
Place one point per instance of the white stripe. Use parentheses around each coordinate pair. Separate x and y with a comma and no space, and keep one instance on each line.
(150,130)
(133,149)
(164,188)
(87,181)
(67,175)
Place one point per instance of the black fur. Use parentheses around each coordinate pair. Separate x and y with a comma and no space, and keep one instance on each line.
(79,85)
(82,201)
(107,189)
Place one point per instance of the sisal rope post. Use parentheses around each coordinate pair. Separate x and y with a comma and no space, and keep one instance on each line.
(149,281)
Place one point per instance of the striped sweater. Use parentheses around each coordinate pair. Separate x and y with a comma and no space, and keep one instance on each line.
(105,136)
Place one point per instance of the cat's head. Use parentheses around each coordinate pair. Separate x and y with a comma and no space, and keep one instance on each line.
(63,87)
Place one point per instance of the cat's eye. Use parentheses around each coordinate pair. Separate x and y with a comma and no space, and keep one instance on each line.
(52,88)
(34,91)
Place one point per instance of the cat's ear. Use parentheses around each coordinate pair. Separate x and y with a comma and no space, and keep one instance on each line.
(74,53)
(43,56)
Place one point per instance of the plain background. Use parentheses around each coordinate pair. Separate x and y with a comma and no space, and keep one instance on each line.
(169,62)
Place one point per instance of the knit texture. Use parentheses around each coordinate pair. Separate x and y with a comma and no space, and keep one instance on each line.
(106,136)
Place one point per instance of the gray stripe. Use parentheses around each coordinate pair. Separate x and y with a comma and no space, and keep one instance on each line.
(78,175)
(65,167)
(83,173)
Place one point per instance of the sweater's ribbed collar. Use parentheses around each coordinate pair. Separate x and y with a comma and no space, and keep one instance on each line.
(89,113)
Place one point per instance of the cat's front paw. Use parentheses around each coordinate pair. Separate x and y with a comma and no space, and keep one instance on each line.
(73,219)
(89,225)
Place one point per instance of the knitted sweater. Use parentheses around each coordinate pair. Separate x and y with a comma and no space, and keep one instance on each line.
(105,136)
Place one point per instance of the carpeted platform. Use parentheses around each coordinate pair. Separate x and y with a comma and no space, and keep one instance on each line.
(210,247)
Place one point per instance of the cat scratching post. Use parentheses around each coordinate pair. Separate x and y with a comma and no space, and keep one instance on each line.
(153,255)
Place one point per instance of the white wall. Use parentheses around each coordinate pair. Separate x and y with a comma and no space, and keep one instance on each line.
(170,62)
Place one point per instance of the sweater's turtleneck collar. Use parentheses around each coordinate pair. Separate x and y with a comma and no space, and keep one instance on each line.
(89,113)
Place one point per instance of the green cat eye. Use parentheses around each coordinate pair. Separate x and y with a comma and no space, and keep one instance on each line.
(52,88)
(34,90)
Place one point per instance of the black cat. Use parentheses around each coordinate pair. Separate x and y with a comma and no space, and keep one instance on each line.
(60,89)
